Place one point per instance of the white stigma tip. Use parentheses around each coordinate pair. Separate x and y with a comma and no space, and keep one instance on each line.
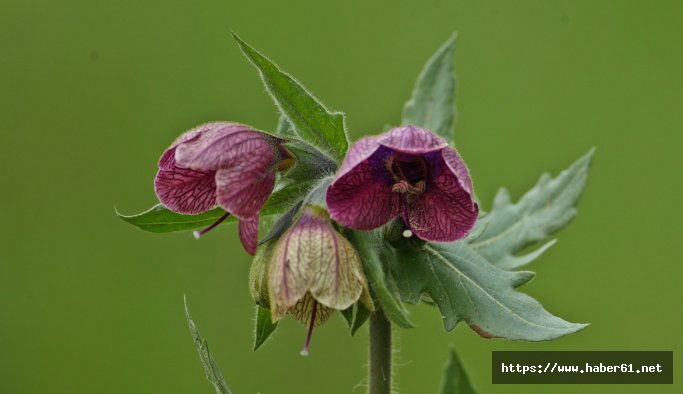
(304,353)
(196,234)
(407,233)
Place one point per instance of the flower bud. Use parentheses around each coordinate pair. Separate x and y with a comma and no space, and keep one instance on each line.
(313,271)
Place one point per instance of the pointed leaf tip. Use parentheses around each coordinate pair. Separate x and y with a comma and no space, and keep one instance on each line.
(312,121)
(455,379)
(160,219)
(468,288)
(263,328)
(432,103)
(541,212)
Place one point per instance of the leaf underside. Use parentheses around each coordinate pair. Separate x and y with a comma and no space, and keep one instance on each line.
(466,287)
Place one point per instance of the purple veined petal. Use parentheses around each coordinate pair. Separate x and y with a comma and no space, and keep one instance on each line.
(458,167)
(411,139)
(243,189)
(167,160)
(248,232)
(186,191)
(223,144)
(445,212)
(360,151)
(361,198)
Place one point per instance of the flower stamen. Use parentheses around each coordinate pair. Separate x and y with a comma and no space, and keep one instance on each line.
(311,325)
(404,187)
(220,220)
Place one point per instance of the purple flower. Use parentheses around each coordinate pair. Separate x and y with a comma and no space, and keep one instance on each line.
(225,164)
(408,172)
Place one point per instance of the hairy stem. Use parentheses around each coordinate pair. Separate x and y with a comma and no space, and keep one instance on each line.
(379,379)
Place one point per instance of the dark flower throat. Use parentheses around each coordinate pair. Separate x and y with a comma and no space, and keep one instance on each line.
(410,173)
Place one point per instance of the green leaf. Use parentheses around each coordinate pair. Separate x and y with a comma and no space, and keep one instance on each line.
(542,211)
(455,379)
(355,316)
(466,287)
(432,104)
(284,127)
(310,164)
(213,374)
(160,219)
(361,316)
(264,327)
(348,314)
(368,246)
(311,120)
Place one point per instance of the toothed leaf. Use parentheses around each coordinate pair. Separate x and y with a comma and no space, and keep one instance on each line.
(542,211)
(466,287)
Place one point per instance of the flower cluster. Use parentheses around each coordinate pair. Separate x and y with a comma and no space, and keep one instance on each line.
(311,269)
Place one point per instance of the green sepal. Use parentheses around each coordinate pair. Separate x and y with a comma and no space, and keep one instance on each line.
(348,315)
(361,316)
(263,326)
(355,316)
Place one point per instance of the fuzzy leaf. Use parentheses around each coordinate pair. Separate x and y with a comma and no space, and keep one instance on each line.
(355,316)
(264,327)
(542,211)
(368,246)
(310,164)
(432,104)
(284,127)
(465,286)
(455,379)
(360,317)
(213,374)
(311,120)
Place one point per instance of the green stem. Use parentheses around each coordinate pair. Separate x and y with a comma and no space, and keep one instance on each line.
(379,379)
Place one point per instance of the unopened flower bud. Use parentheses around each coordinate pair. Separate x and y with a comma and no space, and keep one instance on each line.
(313,271)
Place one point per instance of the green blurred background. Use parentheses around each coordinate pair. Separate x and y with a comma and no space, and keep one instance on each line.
(92,92)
